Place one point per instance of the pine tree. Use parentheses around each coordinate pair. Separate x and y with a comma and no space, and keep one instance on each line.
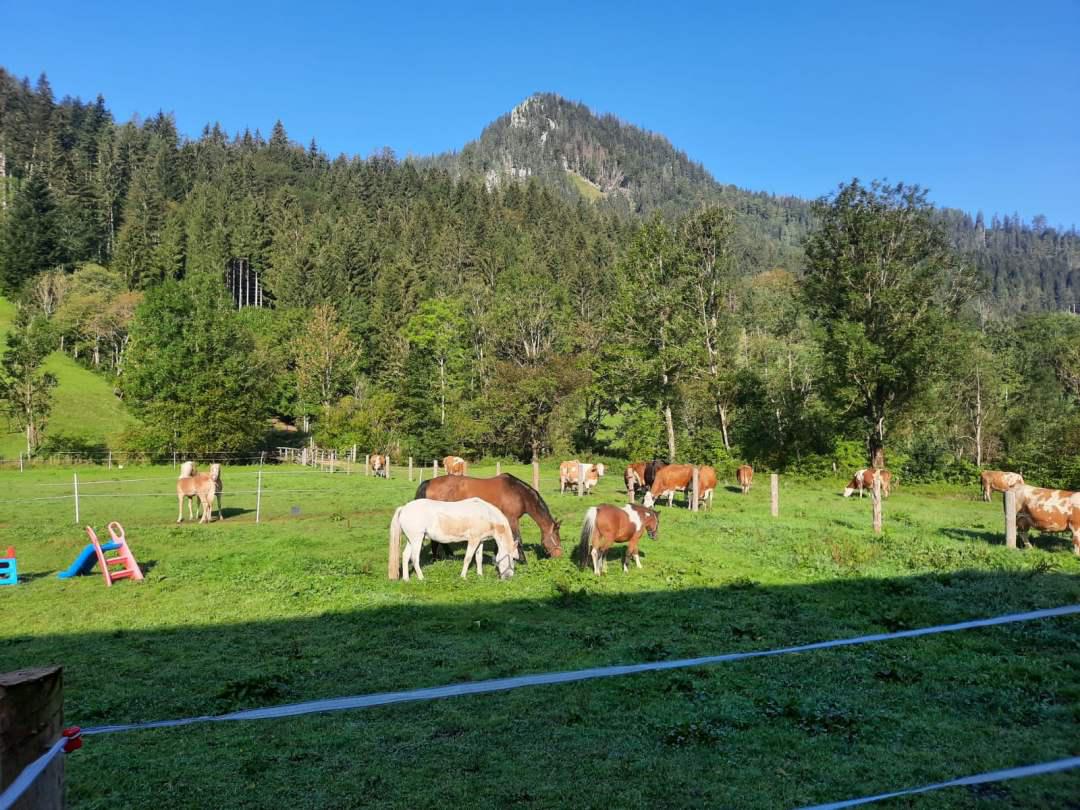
(31,239)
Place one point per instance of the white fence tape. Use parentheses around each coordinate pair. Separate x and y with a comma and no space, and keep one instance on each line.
(549,678)
(29,774)
(990,776)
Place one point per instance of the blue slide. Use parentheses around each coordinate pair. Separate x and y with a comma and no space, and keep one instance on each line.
(86,561)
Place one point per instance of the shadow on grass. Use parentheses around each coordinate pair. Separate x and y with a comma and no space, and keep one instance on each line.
(1047,541)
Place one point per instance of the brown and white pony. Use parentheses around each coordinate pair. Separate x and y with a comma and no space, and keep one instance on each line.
(998,481)
(1048,510)
(454,465)
(745,476)
(204,486)
(605,525)
(568,475)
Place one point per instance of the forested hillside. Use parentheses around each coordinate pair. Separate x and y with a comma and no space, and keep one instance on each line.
(591,291)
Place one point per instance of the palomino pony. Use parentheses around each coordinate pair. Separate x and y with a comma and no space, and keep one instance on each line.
(606,525)
(510,495)
(204,486)
(454,465)
(469,521)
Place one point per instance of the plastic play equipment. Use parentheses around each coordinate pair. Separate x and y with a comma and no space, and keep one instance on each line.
(9,571)
(95,553)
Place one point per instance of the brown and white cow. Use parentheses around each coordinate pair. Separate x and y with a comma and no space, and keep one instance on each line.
(378,465)
(454,465)
(998,481)
(863,480)
(745,476)
(706,485)
(568,475)
(1048,510)
(669,480)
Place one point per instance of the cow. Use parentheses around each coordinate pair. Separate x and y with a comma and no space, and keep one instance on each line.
(568,475)
(998,481)
(864,480)
(706,484)
(668,480)
(634,477)
(745,476)
(378,465)
(1048,510)
(454,465)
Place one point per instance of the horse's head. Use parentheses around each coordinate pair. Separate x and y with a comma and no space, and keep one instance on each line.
(550,538)
(652,523)
(504,563)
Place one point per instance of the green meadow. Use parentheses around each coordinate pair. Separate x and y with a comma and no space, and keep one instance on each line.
(239,614)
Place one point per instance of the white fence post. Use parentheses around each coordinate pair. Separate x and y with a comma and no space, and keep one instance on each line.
(1010,519)
(387,468)
(258,499)
(367,464)
(694,489)
(498,468)
(875,499)
(536,475)
(410,469)
(774,481)
(580,480)
(20,463)
(76,499)
(110,459)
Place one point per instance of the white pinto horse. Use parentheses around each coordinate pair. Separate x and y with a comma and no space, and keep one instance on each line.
(469,521)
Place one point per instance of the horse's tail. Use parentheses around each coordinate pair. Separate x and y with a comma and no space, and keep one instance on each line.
(394,568)
(421,491)
(588,529)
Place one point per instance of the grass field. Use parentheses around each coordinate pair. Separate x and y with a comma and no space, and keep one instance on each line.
(84,406)
(236,615)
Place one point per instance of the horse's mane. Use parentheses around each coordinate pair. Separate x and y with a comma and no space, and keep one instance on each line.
(527,491)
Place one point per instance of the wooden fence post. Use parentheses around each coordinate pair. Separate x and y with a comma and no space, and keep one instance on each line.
(536,475)
(387,467)
(434,467)
(775,484)
(31,719)
(1010,519)
(498,468)
(410,469)
(20,463)
(258,498)
(354,454)
(367,464)
(580,479)
(76,499)
(875,498)
(465,468)
(694,489)
(110,459)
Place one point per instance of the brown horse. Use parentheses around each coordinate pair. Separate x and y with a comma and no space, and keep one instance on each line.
(512,496)
(204,486)
(606,525)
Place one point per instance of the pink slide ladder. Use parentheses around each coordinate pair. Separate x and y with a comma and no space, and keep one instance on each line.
(123,556)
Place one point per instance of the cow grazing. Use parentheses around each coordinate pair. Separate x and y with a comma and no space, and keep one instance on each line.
(568,475)
(745,476)
(864,480)
(670,479)
(1048,510)
(998,481)
(454,465)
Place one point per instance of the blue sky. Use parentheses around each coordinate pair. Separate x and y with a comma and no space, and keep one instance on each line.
(979,102)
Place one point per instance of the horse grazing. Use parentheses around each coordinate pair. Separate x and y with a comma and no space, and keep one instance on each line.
(204,486)
(378,465)
(568,475)
(454,465)
(745,476)
(510,495)
(606,525)
(706,485)
(864,480)
(469,521)
(998,481)
(1048,510)
(668,480)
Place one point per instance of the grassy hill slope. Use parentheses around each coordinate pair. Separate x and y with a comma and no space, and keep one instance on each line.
(85,409)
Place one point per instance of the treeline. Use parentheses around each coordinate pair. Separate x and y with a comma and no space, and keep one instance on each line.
(227,281)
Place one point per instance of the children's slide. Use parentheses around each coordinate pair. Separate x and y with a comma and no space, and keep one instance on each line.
(86,561)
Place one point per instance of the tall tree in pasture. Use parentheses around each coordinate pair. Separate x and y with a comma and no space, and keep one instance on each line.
(708,239)
(437,329)
(883,281)
(652,322)
(326,358)
(193,374)
(25,389)
(30,242)
(523,399)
